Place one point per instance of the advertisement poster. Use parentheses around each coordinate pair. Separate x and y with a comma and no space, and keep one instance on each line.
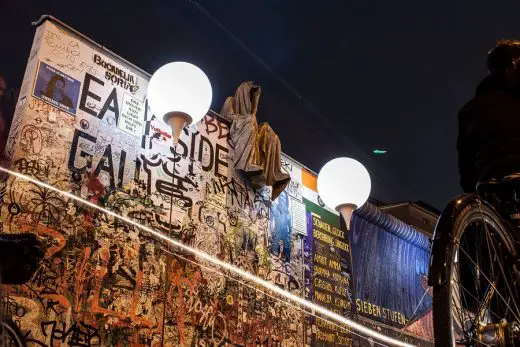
(299,218)
(57,88)
(132,116)
(281,227)
(328,254)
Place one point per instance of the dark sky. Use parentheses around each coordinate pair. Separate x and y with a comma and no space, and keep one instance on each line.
(339,78)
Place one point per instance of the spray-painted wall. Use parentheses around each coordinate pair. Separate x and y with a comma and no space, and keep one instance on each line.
(82,124)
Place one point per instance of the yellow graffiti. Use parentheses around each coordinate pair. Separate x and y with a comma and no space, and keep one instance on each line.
(380,312)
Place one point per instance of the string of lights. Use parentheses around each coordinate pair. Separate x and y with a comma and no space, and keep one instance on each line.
(271,296)
(378,171)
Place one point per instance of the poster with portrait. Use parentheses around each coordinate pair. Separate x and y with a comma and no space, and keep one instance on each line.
(57,88)
(281,227)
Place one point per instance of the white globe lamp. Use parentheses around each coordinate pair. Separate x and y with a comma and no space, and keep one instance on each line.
(344,185)
(179,93)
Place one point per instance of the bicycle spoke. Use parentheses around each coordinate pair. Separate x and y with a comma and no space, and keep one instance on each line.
(505,278)
(490,283)
(467,335)
(458,310)
(474,298)
(462,313)
(491,262)
(473,271)
(484,285)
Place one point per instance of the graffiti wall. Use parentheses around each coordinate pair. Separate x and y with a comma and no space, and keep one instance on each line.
(390,269)
(82,125)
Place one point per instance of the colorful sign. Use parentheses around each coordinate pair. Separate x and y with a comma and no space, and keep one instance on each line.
(329,275)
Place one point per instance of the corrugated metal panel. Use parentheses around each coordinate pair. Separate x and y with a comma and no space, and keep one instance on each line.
(390,265)
(393,225)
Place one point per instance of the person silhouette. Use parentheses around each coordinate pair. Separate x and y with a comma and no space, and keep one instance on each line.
(3,119)
(55,90)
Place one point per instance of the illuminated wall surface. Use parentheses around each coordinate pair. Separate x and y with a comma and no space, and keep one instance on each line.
(390,267)
(82,124)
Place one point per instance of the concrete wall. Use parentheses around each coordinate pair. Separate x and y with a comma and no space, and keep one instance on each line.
(82,124)
(110,283)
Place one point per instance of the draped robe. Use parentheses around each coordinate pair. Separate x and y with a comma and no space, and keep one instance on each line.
(257,148)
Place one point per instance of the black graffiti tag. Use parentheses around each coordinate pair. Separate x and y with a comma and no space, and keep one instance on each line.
(214,125)
(77,336)
(32,139)
(84,124)
(33,167)
(175,186)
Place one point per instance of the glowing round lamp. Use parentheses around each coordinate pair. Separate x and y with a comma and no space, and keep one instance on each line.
(179,93)
(344,185)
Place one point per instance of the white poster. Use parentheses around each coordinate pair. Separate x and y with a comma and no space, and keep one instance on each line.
(299,217)
(132,116)
(294,188)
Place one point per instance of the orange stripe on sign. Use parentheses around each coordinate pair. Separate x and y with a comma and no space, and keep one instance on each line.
(309,180)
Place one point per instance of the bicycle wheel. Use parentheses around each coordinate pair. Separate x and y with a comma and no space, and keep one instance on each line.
(478,304)
(10,334)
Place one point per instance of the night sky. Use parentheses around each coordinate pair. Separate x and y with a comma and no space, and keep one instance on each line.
(339,78)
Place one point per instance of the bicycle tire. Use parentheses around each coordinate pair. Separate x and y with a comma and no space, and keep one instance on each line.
(10,329)
(442,294)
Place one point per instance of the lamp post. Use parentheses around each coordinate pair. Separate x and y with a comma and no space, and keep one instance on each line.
(181,94)
(344,185)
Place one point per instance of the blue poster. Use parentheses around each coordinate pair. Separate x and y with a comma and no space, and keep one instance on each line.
(390,269)
(281,227)
(57,88)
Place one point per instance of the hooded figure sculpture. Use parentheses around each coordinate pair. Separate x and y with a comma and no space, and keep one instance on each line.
(257,148)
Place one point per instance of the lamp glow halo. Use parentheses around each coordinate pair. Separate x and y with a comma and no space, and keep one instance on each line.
(233,269)
(344,181)
(182,88)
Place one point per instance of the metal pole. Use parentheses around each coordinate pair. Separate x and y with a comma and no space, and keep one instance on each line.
(168,260)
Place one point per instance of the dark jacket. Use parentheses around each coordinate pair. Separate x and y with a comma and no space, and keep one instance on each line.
(489,134)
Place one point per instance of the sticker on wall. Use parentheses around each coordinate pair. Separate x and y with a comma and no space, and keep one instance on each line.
(131,119)
(156,129)
(294,188)
(57,88)
(299,217)
(281,231)
(310,189)
(22,101)
(328,251)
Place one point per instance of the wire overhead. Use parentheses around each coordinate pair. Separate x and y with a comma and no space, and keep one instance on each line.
(329,124)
